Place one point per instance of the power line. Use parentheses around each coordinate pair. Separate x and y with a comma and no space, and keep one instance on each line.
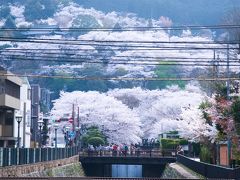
(123,62)
(91,49)
(24,52)
(194,27)
(118,78)
(139,48)
(115,58)
(120,41)
(90,56)
(129,47)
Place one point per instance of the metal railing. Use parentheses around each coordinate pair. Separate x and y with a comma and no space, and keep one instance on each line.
(135,153)
(209,170)
(21,156)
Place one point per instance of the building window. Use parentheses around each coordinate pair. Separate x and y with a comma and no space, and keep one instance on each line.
(1,117)
(9,118)
(1,143)
(12,89)
(29,94)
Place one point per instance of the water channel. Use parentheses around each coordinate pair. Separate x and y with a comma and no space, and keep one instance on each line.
(123,171)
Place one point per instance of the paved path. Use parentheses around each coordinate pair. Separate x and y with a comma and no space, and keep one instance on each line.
(183,171)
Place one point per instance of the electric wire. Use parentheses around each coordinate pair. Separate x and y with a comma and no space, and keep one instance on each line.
(120,41)
(133,58)
(129,47)
(195,27)
(118,78)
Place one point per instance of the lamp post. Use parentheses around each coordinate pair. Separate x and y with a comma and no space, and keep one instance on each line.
(40,125)
(18,119)
(55,128)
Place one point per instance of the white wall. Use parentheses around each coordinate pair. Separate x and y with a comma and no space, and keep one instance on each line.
(24,98)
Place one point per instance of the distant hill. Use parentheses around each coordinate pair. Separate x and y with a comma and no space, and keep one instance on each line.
(204,12)
(182,12)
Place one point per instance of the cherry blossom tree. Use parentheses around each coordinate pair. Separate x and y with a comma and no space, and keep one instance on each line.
(119,123)
(127,115)
(159,109)
(220,113)
(193,126)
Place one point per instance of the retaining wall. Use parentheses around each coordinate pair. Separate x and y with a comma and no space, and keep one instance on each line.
(41,167)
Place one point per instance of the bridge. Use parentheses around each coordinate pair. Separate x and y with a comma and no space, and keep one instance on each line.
(99,163)
(140,157)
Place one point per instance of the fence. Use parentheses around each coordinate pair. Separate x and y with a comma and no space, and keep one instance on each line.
(209,170)
(20,156)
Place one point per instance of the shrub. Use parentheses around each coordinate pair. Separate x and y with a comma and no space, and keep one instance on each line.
(172,143)
(169,143)
(205,155)
(95,141)
(183,142)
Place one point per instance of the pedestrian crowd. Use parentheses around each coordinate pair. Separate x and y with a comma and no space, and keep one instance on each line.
(114,149)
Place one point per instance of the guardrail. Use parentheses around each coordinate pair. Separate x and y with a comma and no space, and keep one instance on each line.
(21,156)
(135,153)
(209,170)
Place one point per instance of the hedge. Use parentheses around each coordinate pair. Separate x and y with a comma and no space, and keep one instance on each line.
(172,143)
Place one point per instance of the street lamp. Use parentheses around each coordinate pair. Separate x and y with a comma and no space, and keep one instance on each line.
(55,128)
(40,125)
(18,119)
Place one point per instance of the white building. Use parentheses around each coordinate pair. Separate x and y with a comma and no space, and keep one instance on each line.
(25,125)
(9,104)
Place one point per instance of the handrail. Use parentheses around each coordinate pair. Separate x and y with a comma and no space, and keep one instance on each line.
(209,170)
(133,153)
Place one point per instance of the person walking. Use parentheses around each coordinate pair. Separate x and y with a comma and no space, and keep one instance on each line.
(115,148)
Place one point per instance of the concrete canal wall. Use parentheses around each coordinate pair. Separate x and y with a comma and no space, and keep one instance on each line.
(64,167)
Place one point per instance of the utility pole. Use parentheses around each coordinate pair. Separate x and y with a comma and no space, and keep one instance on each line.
(78,119)
(73,118)
(228,74)
(215,75)
(24,124)
(78,129)
(215,64)
(228,98)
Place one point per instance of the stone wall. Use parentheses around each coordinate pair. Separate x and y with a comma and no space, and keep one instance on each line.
(70,170)
(171,173)
(41,168)
(177,171)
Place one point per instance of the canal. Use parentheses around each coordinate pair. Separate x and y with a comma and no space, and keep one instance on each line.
(121,170)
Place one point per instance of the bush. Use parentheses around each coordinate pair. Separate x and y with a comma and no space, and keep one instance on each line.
(92,132)
(183,142)
(205,155)
(172,143)
(169,143)
(95,141)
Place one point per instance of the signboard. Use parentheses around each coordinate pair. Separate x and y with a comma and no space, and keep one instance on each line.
(72,134)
